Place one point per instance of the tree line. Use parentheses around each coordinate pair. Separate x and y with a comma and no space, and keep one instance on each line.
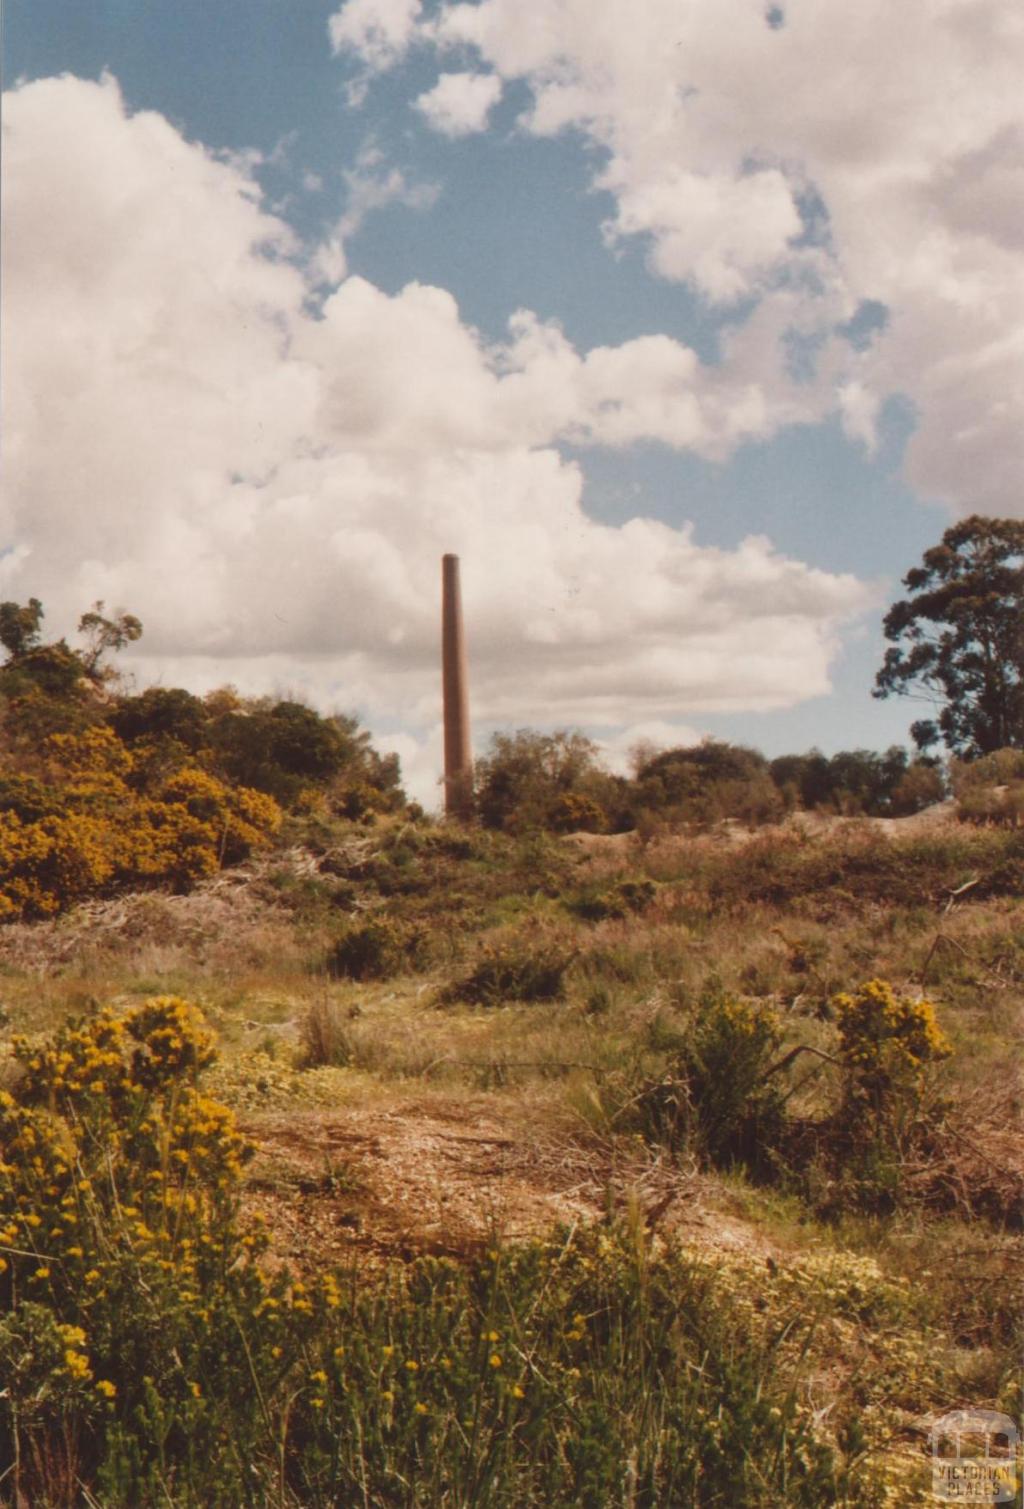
(956,643)
(277,746)
(558,782)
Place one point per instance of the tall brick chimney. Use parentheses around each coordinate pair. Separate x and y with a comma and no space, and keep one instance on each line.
(458,758)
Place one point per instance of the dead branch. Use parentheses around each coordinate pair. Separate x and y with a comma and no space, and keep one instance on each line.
(794,1053)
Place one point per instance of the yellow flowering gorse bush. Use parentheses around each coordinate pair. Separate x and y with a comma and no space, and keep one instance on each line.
(123,1267)
(886,1041)
(99,826)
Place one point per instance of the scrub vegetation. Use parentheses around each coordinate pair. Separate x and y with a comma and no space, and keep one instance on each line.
(352,1158)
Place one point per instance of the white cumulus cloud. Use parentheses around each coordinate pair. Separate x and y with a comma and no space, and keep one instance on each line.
(380,30)
(460,103)
(271,489)
(853,152)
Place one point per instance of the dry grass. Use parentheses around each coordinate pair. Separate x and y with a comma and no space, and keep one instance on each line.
(390,1122)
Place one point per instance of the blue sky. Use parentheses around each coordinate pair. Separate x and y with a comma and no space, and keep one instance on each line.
(299,295)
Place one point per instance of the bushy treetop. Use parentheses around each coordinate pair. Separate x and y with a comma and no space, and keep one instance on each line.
(958,640)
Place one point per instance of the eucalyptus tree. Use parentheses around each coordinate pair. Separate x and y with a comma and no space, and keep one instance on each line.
(957,639)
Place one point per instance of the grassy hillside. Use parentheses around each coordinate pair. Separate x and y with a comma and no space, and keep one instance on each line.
(565,1170)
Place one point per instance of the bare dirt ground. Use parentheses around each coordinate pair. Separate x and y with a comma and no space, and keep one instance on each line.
(448,1177)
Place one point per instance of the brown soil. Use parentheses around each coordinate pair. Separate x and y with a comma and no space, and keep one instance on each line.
(448,1177)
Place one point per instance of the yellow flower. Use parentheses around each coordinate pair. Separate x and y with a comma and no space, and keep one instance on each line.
(106,1388)
(413,1367)
(494,1360)
(421,1409)
(517,1392)
(318,1377)
(197,1392)
(41,1273)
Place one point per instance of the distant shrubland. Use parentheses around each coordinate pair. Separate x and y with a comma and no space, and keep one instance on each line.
(556,781)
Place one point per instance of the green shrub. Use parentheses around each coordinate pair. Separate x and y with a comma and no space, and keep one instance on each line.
(514,971)
(627,897)
(717,1096)
(920,787)
(161,713)
(533,781)
(575,812)
(376,950)
(705,783)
